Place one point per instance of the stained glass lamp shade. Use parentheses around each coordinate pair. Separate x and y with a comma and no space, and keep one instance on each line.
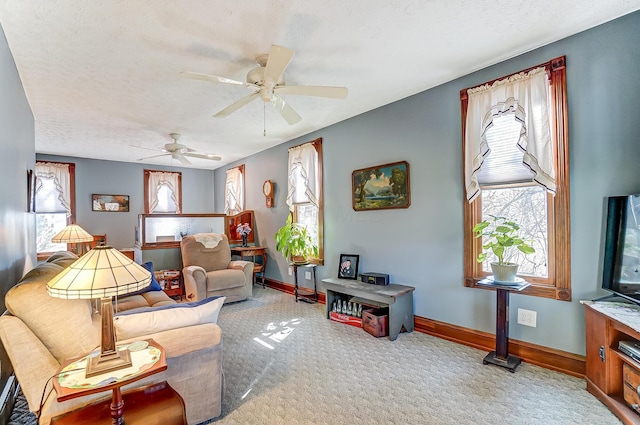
(102,273)
(73,234)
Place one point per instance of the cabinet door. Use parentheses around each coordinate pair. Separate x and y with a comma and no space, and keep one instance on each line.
(597,348)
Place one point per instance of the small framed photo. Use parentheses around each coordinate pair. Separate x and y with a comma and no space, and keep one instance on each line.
(348,267)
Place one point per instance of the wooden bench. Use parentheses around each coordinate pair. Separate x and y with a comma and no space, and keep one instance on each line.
(398,298)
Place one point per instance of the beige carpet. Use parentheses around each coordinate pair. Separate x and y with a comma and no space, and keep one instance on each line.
(286,364)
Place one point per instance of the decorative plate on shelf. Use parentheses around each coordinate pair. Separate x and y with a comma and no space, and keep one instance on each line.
(517,282)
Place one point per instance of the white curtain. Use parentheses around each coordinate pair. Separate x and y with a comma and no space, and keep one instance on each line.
(302,175)
(158,178)
(234,192)
(62,181)
(527,96)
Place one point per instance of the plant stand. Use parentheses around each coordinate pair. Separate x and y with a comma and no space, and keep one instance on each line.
(500,356)
(311,297)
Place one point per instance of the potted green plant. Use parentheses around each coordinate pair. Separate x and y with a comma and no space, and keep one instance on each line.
(501,238)
(294,242)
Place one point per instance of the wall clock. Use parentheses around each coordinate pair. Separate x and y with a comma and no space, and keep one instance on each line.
(267,189)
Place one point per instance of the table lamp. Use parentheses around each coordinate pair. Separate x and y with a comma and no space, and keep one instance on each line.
(73,234)
(102,273)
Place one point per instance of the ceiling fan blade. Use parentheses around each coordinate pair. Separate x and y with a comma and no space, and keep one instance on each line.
(237,105)
(318,91)
(182,159)
(147,148)
(204,156)
(285,110)
(279,58)
(149,157)
(214,78)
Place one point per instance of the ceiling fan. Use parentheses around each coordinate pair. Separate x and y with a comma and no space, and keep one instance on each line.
(267,82)
(179,151)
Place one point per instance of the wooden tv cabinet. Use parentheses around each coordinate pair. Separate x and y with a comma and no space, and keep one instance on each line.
(608,323)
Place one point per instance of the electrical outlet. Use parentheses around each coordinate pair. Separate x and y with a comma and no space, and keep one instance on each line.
(307,275)
(527,317)
(290,271)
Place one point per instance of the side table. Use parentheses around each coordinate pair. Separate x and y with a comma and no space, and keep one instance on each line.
(155,404)
(304,294)
(171,282)
(253,252)
(500,356)
(71,381)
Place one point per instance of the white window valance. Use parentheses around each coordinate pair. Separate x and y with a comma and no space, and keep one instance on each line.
(156,180)
(234,192)
(303,182)
(526,97)
(61,177)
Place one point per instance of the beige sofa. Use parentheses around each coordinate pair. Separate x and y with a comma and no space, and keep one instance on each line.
(209,271)
(39,332)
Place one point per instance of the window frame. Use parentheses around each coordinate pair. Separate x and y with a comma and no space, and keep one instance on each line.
(558,283)
(317,145)
(71,219)
(146,189)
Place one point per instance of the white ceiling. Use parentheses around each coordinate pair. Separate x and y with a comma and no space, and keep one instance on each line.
(101,76)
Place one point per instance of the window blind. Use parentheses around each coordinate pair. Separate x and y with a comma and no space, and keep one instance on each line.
(504,164)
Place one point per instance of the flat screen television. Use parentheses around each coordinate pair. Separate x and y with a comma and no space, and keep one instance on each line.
(621,260)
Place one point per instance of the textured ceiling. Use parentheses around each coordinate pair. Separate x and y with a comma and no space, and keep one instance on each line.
(102,77)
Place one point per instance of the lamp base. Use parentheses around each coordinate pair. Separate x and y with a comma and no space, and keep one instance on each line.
(107,362)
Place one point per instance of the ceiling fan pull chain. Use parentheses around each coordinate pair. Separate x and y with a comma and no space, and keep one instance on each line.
(264,119)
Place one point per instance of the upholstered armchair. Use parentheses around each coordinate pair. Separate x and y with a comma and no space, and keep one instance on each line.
(209,271)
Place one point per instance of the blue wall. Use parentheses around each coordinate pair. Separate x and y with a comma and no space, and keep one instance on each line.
(17,155)
(17,144)
(127,178)
(423,246)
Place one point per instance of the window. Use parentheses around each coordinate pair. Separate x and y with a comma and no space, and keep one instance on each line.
(55,204)
(162,192)
(304,194)
(234,191)
(517,165)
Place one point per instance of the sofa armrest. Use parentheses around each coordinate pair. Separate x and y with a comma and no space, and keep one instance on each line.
(247,269)
(32,362)
(195,283)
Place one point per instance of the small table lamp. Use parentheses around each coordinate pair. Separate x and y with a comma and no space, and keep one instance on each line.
(102,273)
(73,234)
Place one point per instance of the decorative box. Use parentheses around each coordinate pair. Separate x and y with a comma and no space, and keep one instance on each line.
(345,318)
(375,321)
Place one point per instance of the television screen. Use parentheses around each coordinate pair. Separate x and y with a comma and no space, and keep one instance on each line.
(621,267)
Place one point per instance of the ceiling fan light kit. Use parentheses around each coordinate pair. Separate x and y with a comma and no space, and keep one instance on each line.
(267,82)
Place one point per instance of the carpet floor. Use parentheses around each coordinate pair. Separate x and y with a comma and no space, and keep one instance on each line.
(285,363)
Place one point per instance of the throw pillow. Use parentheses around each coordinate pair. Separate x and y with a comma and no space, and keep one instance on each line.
(148,320)
(154,286)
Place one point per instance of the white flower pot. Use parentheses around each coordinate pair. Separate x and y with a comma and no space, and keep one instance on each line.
(504,272)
